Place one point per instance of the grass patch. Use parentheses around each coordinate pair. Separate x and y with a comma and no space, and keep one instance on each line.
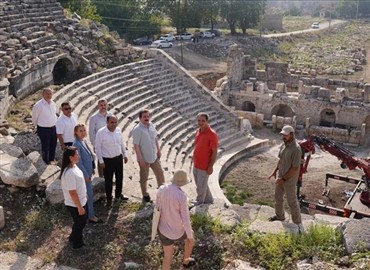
(233,194)
(281,251)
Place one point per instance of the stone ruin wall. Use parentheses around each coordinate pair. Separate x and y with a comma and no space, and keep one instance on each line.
(339,109)
(37,40)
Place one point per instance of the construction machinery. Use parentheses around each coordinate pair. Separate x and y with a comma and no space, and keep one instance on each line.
(358,204)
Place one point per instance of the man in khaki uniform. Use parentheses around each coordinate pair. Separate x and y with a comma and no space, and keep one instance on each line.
(288,172)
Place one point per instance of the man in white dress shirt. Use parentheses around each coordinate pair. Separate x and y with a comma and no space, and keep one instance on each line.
(65,126)
(44,118)
(111,152)
(96,122)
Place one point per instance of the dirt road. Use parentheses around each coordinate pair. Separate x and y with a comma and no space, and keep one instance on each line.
(197,64)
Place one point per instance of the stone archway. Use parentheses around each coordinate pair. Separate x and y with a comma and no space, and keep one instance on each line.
(249,106)
(283,110)
(62,71)
(327,118)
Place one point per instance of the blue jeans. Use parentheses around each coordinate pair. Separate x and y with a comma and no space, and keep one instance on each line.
(90,200)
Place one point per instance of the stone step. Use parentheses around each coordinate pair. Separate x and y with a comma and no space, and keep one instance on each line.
(98,78)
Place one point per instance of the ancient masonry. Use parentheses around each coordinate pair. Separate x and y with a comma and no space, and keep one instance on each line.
(338,109)
(39,45)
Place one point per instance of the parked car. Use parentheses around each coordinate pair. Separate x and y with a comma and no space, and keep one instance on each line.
(315,25)
(142,41)
(185,36)
(216,32)
(161,43)
(206,35)
(168,37)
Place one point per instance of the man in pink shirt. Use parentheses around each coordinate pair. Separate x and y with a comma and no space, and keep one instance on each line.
(174,222)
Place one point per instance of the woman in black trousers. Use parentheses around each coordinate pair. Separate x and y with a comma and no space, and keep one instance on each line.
(75,196)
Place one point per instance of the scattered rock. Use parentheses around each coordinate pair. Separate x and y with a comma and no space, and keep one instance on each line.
(11,150)
(18,172)
(356,234)
(241,265)
(2,218)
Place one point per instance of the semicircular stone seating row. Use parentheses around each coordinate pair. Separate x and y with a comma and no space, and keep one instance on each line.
(27,24)
(173,106)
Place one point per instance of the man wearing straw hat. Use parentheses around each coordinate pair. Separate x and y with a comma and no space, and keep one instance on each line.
(174,222)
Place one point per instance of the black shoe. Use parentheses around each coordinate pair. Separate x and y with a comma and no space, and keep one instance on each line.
(121,198)
(109,202)
(147,199)
(98,220)
(275,218)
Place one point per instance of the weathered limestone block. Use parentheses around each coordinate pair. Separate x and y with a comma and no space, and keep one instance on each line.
(36,160)
(356,231)
(324,94)
(281,87)
(315,91)
(326,131)
(340,134)
(262,88)
(98,188)
(241,265)
(2,218)
(259,120)
(340,94)
(367,93)
(54,193)
(300,87)
(280,122)
(273,122)
(249,87)
(226,216)
(17,172)
(355,137)
(12,150)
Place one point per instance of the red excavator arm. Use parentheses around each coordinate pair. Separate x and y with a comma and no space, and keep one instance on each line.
(347,158)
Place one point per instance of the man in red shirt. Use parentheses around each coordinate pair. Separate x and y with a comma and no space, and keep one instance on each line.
(204,156)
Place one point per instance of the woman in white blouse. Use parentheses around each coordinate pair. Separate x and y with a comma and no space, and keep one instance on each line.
(75,196)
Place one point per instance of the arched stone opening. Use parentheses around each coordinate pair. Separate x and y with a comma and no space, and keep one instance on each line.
(327,118)
(62,72)
(249,106)
(282,110)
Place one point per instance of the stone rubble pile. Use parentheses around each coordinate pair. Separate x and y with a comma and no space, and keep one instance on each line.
(339,52)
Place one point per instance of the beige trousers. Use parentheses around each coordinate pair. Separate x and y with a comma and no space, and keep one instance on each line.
(289,189)
(144,173)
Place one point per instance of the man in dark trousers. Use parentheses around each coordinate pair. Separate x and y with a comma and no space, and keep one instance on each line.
(111,153)
(44,118)
(286,182)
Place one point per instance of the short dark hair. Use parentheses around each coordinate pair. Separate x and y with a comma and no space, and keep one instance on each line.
(109,117)
(47,89)
(205,115)
(142,112)
(64,104)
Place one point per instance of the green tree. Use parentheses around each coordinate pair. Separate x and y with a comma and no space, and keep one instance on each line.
(243,12)
(210,11)
(85,8)
(182,13)
(347,8)
(230,12)
(251,14)
(130,18)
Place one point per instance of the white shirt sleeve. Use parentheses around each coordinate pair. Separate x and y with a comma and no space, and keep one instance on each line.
(60,126)
(98,146)
(36,112)
(70,182)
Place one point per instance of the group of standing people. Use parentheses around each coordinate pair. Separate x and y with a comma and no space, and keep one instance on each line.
(78,167)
